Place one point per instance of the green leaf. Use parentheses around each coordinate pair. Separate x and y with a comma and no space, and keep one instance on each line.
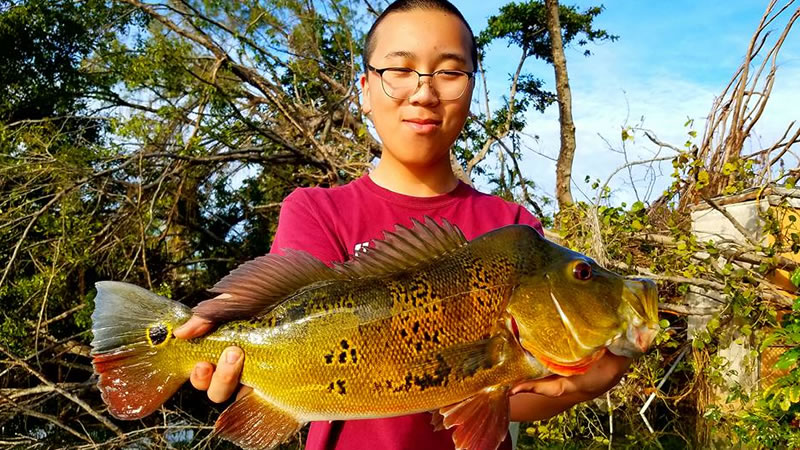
(728,169)
(794,393)
(796,277)
(788,359)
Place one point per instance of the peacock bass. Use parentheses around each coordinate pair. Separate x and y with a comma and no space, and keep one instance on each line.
(422,321)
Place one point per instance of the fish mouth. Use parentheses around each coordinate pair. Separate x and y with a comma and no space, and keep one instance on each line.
(641,306)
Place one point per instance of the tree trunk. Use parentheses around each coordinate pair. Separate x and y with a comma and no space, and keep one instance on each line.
(567,151)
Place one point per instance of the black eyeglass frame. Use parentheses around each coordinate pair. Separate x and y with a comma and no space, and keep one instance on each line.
(470,76)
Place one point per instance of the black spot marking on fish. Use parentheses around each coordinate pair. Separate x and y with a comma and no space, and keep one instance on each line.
(435,308)
(340,384)
(435,338)
(353,355)
(420,291)
(158,334)
(389,384)
(407,385)
(415,327)
(343,357)
(480,274)
(438,378)
(296,311)
(329,358)
(426,336)
(330,387)
(344,344)
(418,346)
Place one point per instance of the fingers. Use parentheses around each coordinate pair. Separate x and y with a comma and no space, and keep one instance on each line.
(201,375)
(194,327)
(552,386)
(225,379)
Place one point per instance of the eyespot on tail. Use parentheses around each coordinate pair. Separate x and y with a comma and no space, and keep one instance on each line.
(131,348)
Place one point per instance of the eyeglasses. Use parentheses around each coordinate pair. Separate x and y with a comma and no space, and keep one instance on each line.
(401,83)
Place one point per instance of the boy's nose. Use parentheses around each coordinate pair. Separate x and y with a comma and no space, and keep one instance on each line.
(425,94)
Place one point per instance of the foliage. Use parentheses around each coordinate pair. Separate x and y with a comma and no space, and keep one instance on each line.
(134,147)
(774,418)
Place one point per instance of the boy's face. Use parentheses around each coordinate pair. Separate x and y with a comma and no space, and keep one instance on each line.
(420,130)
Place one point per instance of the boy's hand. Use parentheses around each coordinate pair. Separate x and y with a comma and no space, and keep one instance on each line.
(223,381)
(544,398)
(602,375)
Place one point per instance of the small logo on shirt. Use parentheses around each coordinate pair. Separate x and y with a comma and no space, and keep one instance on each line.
(360,248)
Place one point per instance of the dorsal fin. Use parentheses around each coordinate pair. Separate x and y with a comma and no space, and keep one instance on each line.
(404,248)
(256,286)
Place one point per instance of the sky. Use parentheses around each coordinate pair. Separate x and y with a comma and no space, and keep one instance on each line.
(670,62)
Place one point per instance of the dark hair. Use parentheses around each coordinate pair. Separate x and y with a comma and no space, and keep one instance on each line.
(410,5)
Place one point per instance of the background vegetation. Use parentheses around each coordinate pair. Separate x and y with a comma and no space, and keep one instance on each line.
(153,142)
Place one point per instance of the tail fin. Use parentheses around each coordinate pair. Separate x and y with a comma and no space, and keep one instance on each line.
(132,331)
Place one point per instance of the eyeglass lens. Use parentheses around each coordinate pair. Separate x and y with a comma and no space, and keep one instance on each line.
(402,84)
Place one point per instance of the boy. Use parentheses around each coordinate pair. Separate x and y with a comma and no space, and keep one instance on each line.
(420,59)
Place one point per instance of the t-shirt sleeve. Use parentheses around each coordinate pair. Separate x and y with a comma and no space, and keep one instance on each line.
(300,229)
(524,217)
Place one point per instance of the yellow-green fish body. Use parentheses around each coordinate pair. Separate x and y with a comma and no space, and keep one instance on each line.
(423,321)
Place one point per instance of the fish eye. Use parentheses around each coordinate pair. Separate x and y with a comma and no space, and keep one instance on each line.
(582,271)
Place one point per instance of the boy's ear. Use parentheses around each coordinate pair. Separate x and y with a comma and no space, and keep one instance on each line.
(366,107)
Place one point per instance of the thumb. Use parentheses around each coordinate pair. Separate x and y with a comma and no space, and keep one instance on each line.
(194,327)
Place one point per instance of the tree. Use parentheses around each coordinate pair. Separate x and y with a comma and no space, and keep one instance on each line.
(564,94)
(524,25)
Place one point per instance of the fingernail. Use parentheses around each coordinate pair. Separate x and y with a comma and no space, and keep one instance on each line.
(202,371)
(232,356)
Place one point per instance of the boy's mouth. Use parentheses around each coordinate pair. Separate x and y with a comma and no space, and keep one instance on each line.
(423,126)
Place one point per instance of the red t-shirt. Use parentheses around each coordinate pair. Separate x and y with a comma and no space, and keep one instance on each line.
(332,224)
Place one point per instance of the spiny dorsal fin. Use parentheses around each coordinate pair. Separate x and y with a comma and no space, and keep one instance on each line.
(256,286)
(404,248)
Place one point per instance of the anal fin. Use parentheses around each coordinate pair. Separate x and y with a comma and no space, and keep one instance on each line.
(251,422)
(481,420)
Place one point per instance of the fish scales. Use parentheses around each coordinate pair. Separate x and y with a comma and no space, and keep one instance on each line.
(354,353)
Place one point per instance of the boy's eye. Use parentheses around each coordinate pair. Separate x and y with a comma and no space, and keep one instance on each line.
(450,74)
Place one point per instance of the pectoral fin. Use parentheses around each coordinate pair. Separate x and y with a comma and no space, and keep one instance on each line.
(437,420)
(481,420)
(252,422)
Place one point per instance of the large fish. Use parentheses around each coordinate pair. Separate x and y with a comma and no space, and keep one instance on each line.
(422,321)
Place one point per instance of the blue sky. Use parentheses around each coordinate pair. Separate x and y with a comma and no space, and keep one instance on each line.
(670,62)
